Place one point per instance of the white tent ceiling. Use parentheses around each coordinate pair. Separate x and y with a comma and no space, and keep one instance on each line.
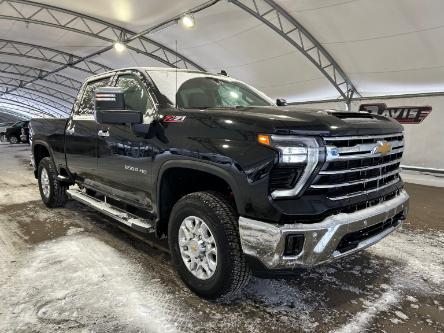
(383,46)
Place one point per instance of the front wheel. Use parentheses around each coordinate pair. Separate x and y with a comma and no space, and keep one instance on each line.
(205,246)
(13,139)
(52,191)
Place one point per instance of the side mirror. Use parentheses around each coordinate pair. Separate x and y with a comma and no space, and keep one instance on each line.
(281,102)
(110,107)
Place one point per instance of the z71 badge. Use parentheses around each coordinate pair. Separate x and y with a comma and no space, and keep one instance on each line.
(173,119)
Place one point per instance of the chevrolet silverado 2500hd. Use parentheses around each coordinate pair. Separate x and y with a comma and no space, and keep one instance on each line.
(235,182)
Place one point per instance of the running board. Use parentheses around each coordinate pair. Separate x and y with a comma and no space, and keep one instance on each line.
(116,213)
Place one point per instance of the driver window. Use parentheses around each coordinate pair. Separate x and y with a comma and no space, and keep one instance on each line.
(135,92)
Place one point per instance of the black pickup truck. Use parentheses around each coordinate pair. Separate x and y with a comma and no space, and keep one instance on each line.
(18,132)
(236,183)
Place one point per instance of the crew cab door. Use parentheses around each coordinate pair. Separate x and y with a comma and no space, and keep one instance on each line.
(81,133)
(124,157)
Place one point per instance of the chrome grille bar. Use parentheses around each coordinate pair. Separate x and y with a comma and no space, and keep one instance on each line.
(360,181)
(365,137)
(355,194)
(366,147)
(335,172)
(331,155)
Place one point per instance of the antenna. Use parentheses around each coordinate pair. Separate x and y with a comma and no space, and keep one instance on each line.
(175,94)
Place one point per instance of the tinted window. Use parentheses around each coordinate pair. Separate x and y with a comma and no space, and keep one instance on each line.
(87,103)
(207,92)
(136,94)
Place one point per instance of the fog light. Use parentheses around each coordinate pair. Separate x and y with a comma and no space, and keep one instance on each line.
(294,245)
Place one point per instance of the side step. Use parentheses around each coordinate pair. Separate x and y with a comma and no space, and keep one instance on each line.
(116,213)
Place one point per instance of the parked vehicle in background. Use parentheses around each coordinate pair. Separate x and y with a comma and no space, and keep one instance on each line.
(3,127)
(13,134)
(235,182)
(24,136)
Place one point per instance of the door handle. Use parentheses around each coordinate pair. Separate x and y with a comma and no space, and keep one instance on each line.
(104,133)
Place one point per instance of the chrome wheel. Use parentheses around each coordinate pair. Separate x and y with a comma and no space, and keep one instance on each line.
(198,247)
(13,140)
(44,183)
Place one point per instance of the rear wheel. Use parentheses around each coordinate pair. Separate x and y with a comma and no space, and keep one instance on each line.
(52,191)
(205,245)
(13,139)
(2,137)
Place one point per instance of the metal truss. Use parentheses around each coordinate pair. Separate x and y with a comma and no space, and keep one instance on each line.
(279,20)
(42,53)
(30,85)
(37,73)
(32,103)
(10,112)
(22,108)
(47,15)
(57,108)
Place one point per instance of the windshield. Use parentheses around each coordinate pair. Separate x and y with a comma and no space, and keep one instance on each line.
(194,90)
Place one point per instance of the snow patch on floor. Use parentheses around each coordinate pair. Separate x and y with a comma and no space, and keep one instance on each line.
(91,285)
(72,231)
(361,320)
(419,256)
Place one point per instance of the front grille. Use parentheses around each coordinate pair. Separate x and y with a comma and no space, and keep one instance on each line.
(353,168)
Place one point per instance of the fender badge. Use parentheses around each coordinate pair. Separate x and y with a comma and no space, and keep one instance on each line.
(173,119)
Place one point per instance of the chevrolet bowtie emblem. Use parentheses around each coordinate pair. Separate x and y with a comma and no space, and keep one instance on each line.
(382,147)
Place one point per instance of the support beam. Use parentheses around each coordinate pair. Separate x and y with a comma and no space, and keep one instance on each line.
(52,106)
(286,26)
(51,16)
(21,108)
(16,114)
(37,73)
(50,55)
(31,103)
(14,84)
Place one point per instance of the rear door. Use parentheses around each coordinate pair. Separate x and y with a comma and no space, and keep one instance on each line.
(124,158)
(81,132)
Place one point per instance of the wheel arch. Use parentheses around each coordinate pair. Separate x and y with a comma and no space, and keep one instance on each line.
(40,150)
(200,167)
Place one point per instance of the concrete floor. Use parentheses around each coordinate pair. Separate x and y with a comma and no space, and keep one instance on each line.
(73,270)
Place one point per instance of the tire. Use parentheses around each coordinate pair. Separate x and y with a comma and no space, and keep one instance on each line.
(2,137)
(52,191)
(231,272)
(13,140)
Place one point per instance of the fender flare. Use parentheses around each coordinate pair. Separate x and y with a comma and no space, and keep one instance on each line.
(203,167)
(47,146)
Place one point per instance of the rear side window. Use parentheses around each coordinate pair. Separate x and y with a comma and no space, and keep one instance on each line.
(86,106)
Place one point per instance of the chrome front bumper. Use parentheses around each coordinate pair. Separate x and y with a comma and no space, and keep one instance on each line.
(266,241)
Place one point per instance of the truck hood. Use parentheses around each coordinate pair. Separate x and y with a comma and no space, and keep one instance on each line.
(291,120)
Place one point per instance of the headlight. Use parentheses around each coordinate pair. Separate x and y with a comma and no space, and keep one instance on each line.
(294,151)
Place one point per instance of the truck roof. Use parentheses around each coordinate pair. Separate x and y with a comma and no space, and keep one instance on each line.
(142,68)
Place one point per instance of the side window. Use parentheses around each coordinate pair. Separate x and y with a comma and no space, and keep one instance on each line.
(87,103)
(136,94)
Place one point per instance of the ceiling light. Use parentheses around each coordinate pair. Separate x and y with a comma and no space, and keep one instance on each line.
(188,21)
(119,46)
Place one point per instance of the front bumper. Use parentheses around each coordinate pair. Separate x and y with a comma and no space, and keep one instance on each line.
(266,241)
